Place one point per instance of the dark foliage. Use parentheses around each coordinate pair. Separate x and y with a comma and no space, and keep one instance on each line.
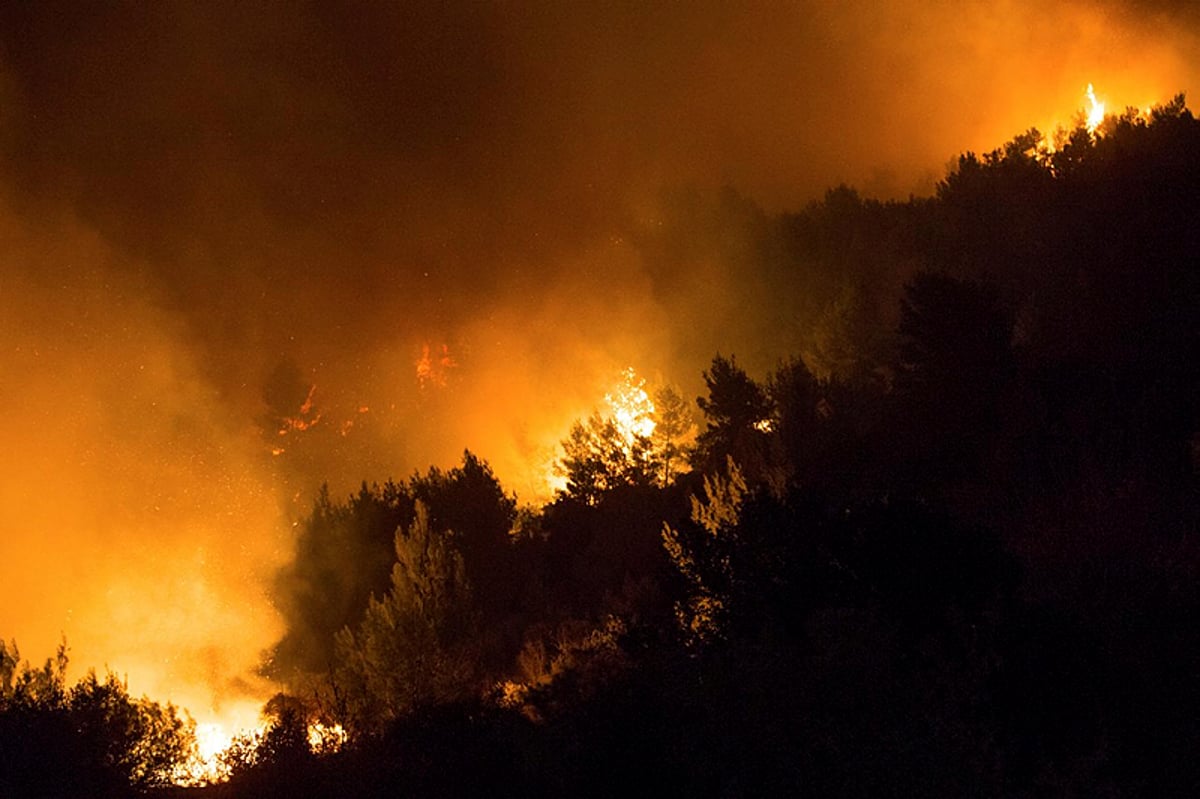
(90,739)
(343,556)
(737,413)
(954,556)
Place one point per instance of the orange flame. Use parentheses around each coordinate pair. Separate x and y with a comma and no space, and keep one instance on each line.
(433,370)
(303,419)
(1095,110)
(631,407)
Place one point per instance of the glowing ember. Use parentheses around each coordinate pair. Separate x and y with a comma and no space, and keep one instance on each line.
(1095,110)
(433,369)
(348,424)
(303,419)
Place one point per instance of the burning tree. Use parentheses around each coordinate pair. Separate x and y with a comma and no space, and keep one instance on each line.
(638,442)
(599,457)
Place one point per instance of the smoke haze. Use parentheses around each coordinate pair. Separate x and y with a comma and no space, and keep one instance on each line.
(231,232)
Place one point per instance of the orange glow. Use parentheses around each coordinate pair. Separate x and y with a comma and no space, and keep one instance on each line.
(214,737)
(433,370)
(326,737)
(303,419)
(1094,111)
(146,502)
(1092,115)
(631,407)
(139,519)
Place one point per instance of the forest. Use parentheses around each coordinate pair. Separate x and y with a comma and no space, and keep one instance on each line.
(947,547)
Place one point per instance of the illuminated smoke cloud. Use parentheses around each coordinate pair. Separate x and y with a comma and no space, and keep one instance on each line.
(230,235)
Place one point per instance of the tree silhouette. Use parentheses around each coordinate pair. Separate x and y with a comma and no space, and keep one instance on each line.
(704,554)
(344,554)
(598,457)
(88,739)
(847,340)
(799,405)
(415,645)
(737,415)
(674,433)
(276,752)
(469,500)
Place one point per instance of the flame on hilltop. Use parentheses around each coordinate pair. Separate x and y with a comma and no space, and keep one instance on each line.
(1095,111)
(631,407)
(1092,116)
(626,404)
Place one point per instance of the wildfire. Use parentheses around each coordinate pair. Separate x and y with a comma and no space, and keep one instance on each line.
(348,425)
(1095,110)
(1093,117)
(326,737)
(215,739)
(433,369)
(304,418)
(212,739)
(214,736)
(631,407)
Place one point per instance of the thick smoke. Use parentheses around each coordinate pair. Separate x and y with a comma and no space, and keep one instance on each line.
(137,516)
(201,200)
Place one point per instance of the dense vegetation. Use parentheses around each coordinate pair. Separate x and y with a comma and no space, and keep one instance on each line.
(947,548)
(89,739)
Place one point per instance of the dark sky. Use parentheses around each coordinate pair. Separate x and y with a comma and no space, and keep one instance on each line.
(195,196)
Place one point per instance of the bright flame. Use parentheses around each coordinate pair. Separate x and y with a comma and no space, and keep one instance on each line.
(1093,118)
(627,405)
(326,738)
(211,740)
(214,736)
(631,407)
(1095,110)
